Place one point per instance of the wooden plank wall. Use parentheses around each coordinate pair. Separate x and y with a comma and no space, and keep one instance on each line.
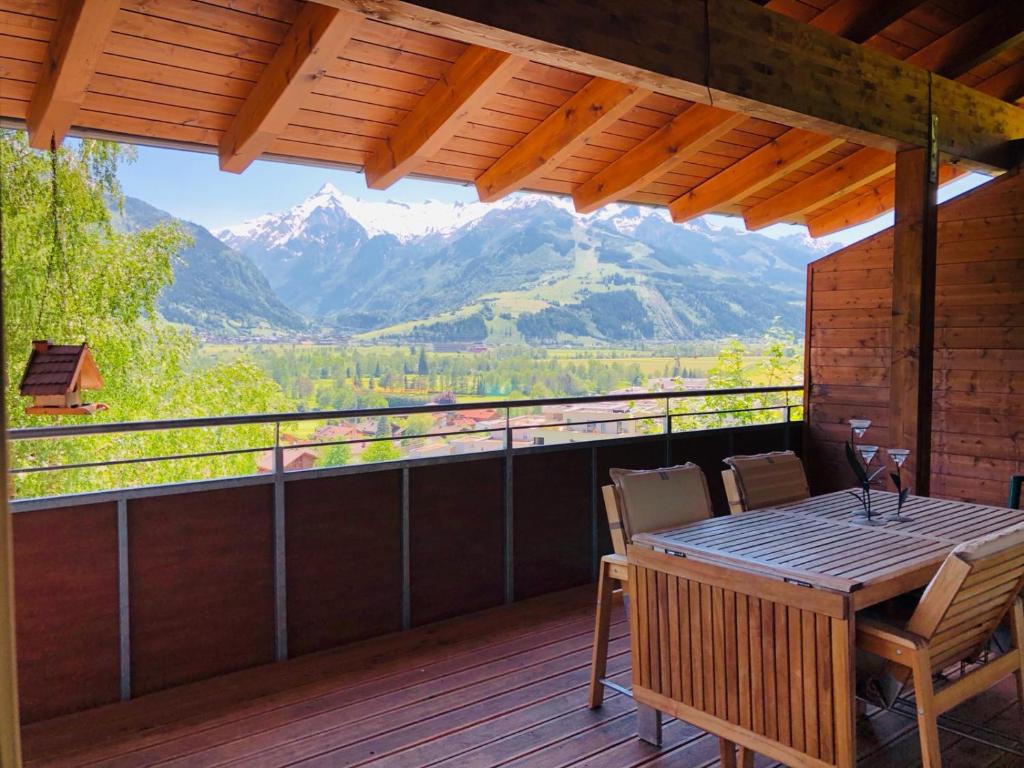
(979,346)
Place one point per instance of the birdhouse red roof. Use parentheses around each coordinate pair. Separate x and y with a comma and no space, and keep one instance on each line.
(54,369)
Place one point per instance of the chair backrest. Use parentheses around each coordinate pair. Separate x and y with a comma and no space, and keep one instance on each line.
(655,499)
(970,595)
(611,508)
(768,479)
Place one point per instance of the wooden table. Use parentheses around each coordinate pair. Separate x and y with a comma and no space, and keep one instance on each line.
(744,625)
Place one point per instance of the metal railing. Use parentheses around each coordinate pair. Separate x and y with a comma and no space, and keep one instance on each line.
(503,425)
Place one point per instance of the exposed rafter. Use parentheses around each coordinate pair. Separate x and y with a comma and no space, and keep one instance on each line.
(756,171)
(873,201)
(862,167)
(678,140)
(856,20)
(470,81)
(762,63)
(304,55)
(1007,85)
(78,36)
(593,109)
(994,29)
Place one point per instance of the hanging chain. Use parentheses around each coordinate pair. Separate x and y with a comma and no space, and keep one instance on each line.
(56,262)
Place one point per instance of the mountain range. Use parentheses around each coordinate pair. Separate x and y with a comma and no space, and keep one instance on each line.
(525,268)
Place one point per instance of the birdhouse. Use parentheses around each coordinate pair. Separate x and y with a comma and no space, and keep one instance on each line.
(55,376)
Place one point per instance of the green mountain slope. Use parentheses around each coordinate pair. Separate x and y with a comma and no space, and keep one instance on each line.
(216,289)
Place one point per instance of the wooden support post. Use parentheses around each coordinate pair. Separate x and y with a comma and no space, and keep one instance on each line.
(913,311)
(10,727)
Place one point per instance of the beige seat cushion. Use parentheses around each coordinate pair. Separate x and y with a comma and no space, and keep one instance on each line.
(769,479)
(656,499)
(992,544)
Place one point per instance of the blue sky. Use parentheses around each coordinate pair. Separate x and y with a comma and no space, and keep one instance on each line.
(190,185)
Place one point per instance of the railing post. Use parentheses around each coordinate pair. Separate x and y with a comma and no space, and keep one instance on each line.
(595,557)
(280,572)
(123,607)
(406,574)
(668,431)
(510,585)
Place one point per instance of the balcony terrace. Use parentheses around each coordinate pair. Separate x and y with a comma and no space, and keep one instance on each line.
(437,609)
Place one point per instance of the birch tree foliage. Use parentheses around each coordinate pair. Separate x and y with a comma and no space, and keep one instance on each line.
(78,278)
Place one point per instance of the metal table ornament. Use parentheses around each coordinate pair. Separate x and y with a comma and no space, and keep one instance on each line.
(861,458)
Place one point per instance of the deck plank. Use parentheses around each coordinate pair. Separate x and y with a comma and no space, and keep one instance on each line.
(506,687)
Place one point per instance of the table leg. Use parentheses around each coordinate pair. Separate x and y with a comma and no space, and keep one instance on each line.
(648,724)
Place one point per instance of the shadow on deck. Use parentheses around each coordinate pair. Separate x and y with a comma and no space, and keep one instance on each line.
(504,687)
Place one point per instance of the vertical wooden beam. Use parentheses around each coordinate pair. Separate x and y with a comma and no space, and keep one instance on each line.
(10,726)
(913,311)
(312,43)
(78,36)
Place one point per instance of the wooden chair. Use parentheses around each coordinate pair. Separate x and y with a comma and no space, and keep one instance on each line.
(974,590)
(764,480)
(639,501)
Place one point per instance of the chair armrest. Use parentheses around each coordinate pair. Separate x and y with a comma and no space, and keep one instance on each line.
(888,641)
(618,566)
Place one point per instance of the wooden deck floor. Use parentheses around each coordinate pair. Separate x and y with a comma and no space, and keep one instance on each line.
(505,687)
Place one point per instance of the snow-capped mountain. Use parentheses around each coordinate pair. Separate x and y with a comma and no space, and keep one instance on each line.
(521,262)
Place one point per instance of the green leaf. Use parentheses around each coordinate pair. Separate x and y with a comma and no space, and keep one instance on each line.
(858,470)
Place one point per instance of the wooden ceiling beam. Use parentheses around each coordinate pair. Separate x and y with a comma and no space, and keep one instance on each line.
(761,63)
(982,37)
(953,54)
(873,201)
(756,171)
(308,49)
(840,179)
(76,45)
(470,81)
(587,113)
(856,20)
(678,140)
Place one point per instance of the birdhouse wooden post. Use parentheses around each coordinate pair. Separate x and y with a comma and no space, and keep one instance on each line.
(55,376)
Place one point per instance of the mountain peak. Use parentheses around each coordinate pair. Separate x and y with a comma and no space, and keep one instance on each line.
(328,190)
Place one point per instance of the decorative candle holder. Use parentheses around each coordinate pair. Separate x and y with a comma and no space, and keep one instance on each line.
(899,457)
(861,458)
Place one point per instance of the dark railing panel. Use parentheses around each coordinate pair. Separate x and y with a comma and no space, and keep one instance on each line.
(344,559)
(749,440)
(552,527)
(707,449)
(201,576)
(130,590)
(66,598)
(456,536)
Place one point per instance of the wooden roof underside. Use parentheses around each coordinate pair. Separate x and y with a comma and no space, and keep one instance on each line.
(319,84)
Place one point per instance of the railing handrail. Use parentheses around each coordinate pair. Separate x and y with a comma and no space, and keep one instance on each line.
(99,428)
